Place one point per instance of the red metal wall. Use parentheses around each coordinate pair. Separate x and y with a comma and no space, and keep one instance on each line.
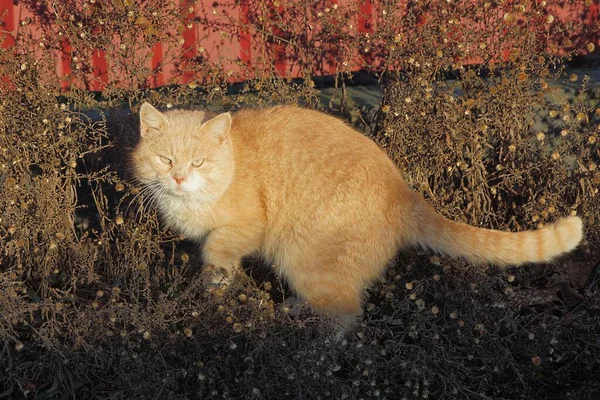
(239,46)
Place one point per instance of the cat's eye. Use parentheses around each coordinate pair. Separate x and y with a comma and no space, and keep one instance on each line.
(198,163)
(166,160)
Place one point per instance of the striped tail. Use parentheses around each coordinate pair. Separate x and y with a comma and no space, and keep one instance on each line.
(480,245)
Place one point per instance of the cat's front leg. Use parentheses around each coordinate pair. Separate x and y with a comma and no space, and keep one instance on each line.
(223,251)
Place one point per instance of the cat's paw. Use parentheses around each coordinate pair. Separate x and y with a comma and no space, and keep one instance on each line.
(217,279)
(293,306)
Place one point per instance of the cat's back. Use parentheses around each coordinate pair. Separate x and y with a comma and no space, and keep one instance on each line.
(300,156)
(293,131)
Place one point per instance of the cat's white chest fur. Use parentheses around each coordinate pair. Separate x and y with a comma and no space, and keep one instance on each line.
(193,219)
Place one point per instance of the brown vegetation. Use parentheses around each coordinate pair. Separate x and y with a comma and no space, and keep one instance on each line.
(98,301)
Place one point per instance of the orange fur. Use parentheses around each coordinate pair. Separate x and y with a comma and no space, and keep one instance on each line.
(313,196)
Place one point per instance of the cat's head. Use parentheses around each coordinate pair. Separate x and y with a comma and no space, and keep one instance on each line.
(183,154)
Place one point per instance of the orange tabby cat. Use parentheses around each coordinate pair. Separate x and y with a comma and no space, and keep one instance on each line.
(313,196)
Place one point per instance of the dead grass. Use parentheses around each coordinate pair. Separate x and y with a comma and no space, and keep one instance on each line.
(97,300)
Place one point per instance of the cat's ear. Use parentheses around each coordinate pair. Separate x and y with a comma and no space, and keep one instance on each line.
(151,119)
(218,127)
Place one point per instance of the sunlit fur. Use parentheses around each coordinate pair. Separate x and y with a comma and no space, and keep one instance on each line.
(321,202)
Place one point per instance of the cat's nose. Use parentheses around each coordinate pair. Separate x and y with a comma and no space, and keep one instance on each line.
(178,180)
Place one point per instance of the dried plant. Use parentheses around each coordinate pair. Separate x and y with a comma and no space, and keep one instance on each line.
(479,109)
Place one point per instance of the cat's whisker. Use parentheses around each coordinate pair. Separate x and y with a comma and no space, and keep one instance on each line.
(142,191)
(141,206)
(134,198)
(145,198)
(153,197)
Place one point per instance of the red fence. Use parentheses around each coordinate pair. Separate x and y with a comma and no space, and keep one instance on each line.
(231,46)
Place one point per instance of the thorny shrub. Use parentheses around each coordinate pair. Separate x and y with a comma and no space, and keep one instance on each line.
(98,300)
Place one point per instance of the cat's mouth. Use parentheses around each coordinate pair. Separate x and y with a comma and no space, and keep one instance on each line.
(181,190)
